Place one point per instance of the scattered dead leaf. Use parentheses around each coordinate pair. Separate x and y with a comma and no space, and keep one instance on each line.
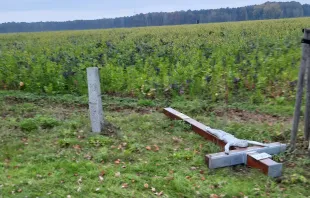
(177,140)
(214,196)
(100,178)
(79,181)
(102,173)
(118,174)
(124,185)
(146,186)
(118,161)
(20,190)
(160,193)
(156,148)
(148,148)
(203,178)
(169,178)
(77,147)
(88,156)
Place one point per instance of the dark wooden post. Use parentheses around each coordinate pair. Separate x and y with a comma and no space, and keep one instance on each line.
(307,111)
(300,86)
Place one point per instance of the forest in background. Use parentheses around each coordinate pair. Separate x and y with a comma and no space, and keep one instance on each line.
(268,10)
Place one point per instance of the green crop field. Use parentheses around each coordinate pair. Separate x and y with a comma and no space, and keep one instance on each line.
(254,60)
(237,77)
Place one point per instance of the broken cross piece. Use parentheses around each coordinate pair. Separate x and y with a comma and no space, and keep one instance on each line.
(231,140)
(258,156)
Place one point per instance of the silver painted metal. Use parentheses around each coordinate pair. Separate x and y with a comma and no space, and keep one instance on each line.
(232,140)
(260,156)
(236,157)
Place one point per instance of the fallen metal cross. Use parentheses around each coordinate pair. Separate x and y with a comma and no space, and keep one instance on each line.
(256,156)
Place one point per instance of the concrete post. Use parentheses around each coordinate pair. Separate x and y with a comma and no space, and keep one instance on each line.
(95,102)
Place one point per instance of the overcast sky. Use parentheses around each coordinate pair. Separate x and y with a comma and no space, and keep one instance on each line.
(62,10)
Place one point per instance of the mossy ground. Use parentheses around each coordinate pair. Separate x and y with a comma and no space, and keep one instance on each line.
(48,150)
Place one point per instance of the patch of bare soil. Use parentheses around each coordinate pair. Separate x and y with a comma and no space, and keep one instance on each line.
(246,116)
(13,100)
(110,129)
(140,110)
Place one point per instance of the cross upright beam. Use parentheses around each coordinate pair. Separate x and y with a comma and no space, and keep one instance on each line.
(254,157)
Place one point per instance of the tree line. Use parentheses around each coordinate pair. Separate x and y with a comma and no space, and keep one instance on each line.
(268,10)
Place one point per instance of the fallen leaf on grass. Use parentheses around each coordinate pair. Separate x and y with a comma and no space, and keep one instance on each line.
(214,196)
(97,189)
(146,186)
(100,178)
(156,148)
(160,193)
(77,147)
(118,174)
(148,148)
(118,161)
(177,140)
(169,178)
(79,181)
(79,189)
(20,190)
(102,173)
(125,185)
(153,189)
(203,178)
(88,156)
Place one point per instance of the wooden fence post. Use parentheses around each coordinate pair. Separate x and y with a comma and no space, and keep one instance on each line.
(95,102)
(300,86)
(307,111)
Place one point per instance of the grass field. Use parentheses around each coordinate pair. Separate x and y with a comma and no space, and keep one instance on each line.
(238,77)
(47,149)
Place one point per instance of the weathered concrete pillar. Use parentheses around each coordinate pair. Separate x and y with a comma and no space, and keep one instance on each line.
(95,102)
